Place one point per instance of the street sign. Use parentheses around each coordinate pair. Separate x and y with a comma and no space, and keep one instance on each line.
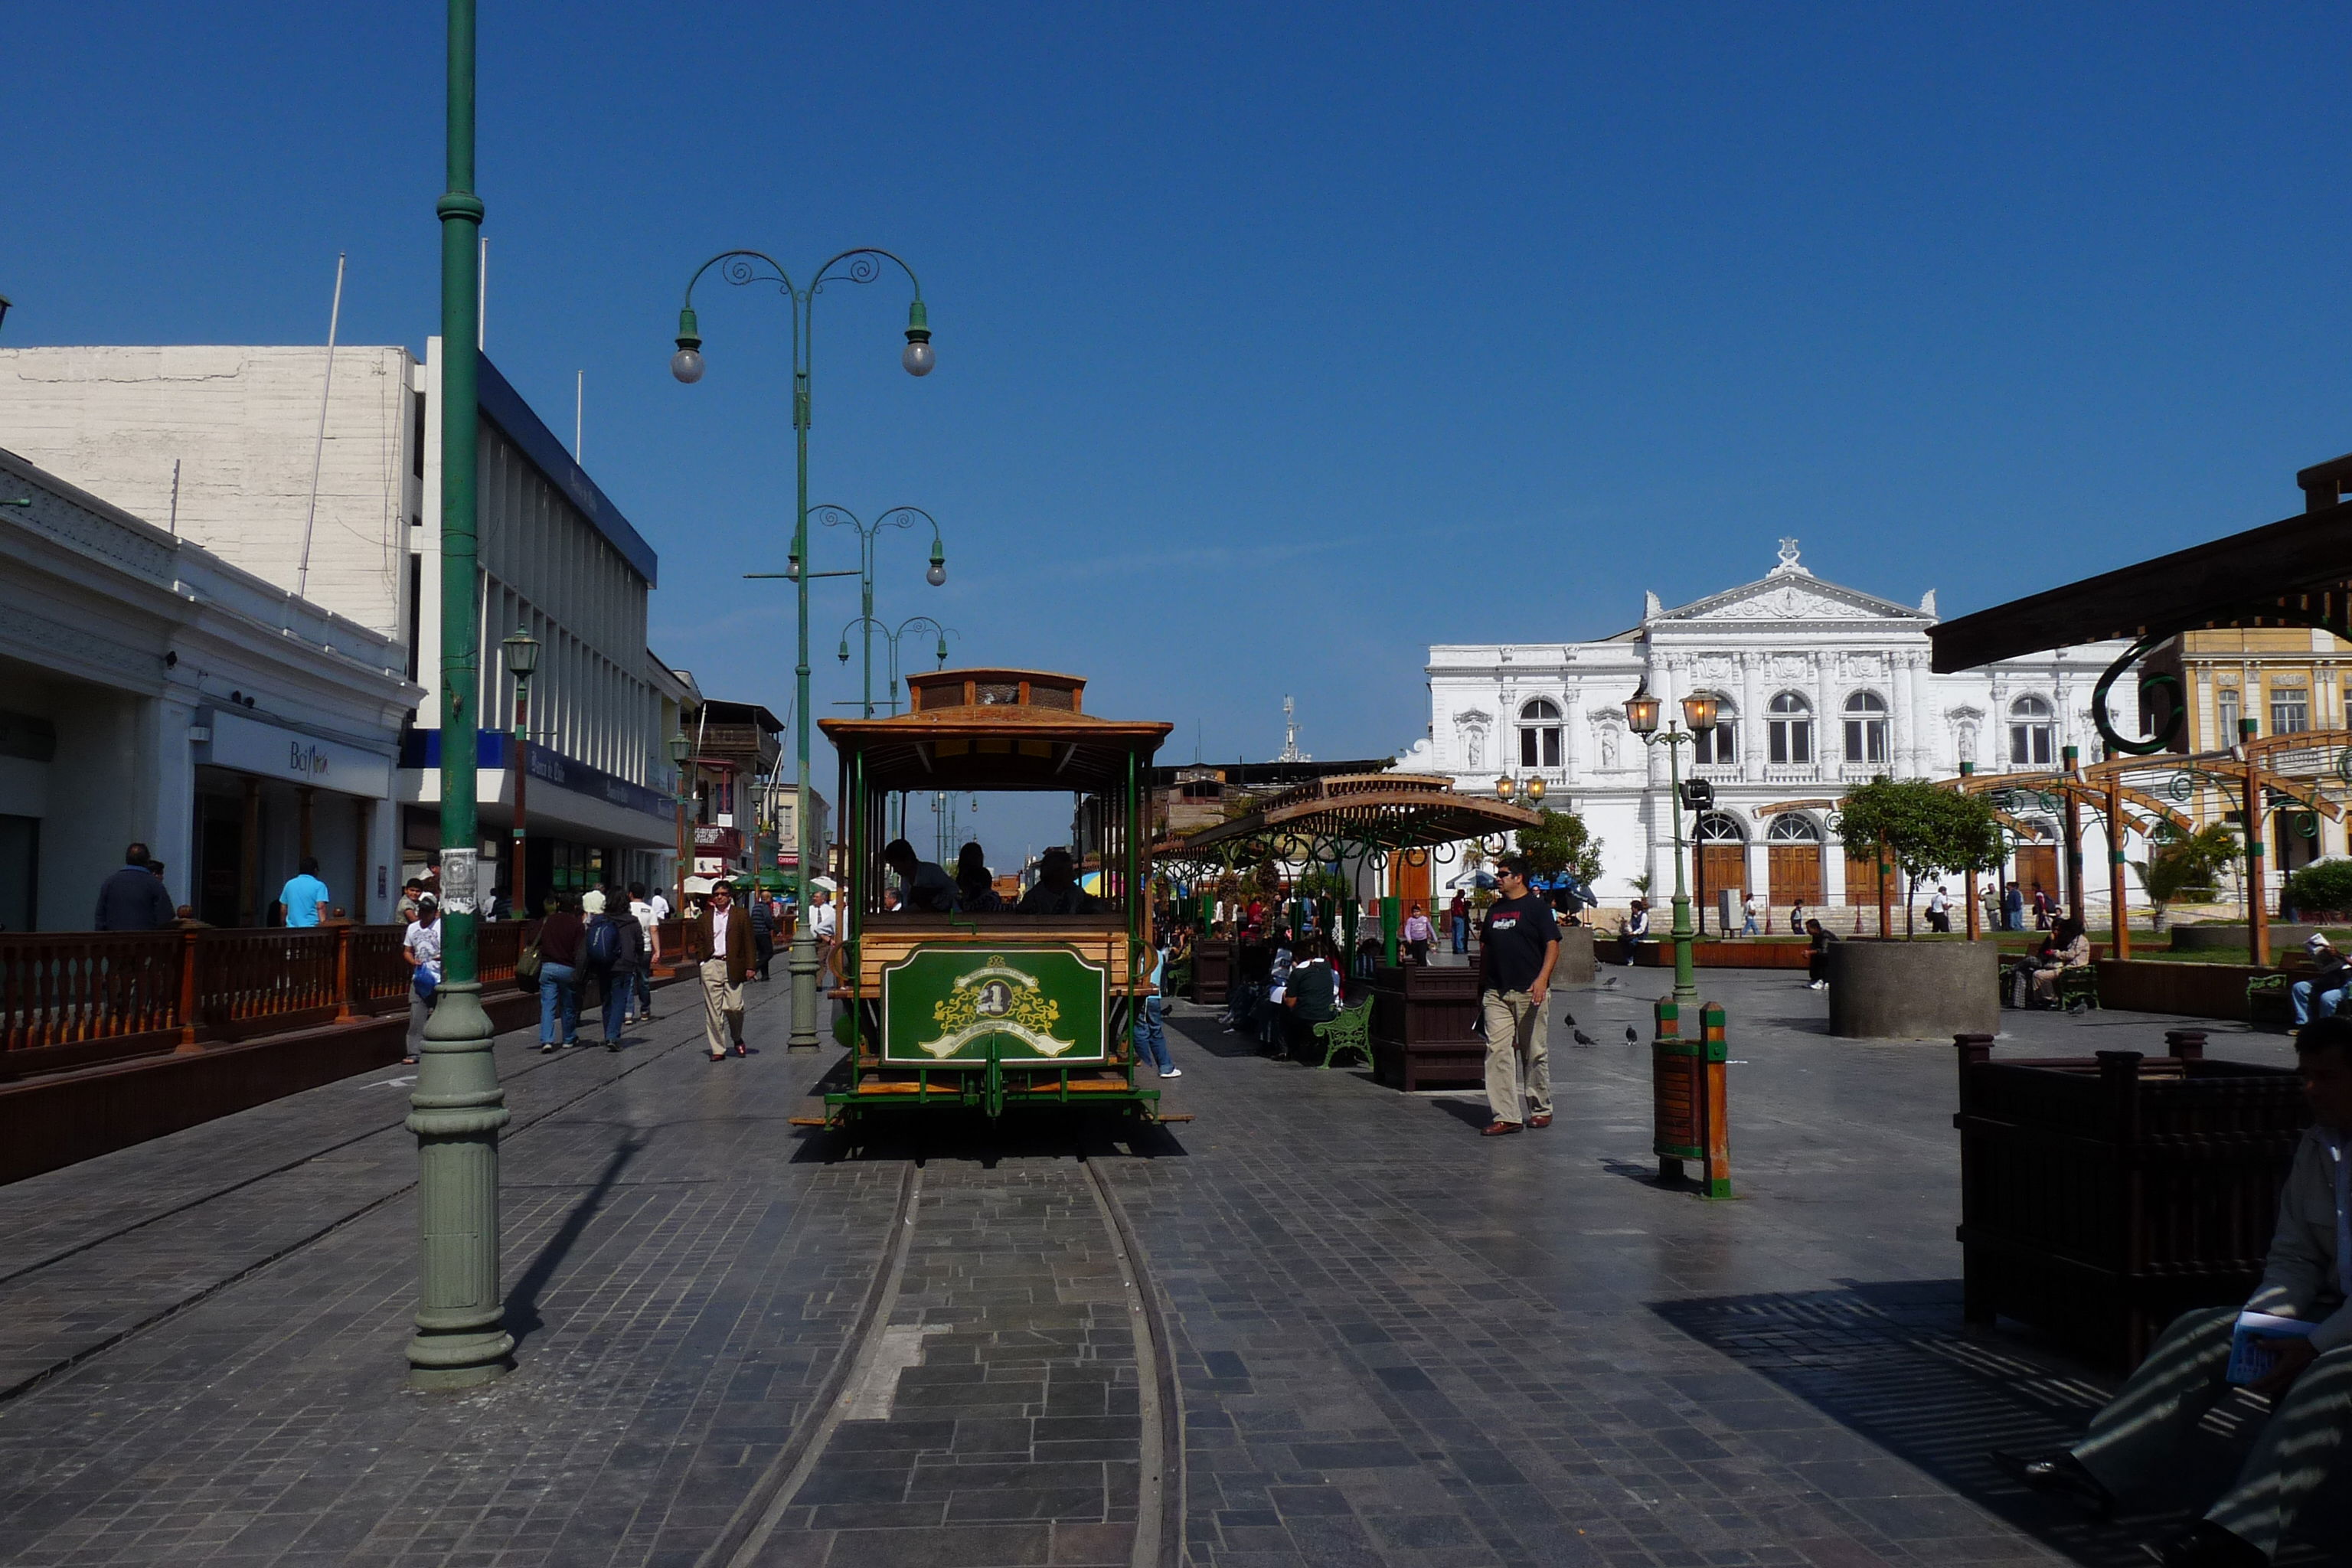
(1697,794)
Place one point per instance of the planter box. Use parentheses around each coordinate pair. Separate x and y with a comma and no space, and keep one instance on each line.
(1212,972)
(1576,957)
(2191,990)
(1424,1026)
(2101,1197)
(1900,990)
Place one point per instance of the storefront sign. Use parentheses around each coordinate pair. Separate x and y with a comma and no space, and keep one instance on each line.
(710,835)
(253,746)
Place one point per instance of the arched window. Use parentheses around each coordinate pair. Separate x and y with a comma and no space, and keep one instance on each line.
(1789,728)
(2033,737)
(1715,827)
(1720,744)
(1865,728)
(1793,827)
(1539,734)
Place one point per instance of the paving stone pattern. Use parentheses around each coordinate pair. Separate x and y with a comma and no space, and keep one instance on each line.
(1015,1440)
(679,1283)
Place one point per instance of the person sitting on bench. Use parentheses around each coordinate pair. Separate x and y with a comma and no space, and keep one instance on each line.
(2320,996)
(2291,1346)
(2068,948)
(1312,997)
(1058,891)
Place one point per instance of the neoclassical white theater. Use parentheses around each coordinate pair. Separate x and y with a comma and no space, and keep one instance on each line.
(1817,687)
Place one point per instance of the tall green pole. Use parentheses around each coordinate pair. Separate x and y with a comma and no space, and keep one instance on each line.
(458,1107)
(803,962)
(1686,980)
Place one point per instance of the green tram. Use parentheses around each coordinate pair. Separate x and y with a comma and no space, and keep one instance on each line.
(984,1011)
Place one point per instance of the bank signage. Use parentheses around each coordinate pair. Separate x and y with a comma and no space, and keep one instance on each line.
(272,751)
(953,1007)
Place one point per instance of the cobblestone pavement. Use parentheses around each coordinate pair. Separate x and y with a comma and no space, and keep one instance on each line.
(1399,1345)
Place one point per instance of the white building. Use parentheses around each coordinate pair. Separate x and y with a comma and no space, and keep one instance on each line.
(150,691)
(1818,687)
(221,444)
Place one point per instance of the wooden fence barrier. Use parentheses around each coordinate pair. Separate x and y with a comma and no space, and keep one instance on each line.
(72,999)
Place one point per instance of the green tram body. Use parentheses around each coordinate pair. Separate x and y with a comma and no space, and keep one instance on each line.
(990,1011)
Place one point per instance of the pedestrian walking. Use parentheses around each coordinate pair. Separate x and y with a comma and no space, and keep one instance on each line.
(133,897)
(2013,908)
(305,897)
(641,908)
(1797,915)
(1940,909)
(1457,922)
(1751,912)
(559,937)
(420,947)
(2040,908)
(763,933)
(723,937)
(1151,1022)
(1519,945)
(610,951)
(1632,931)
(1418,935)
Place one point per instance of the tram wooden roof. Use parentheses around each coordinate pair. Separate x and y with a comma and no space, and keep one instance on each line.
(2296,565)
(1395,810)
(991,729)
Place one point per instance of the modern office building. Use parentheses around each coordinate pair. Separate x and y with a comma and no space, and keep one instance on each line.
(324,480)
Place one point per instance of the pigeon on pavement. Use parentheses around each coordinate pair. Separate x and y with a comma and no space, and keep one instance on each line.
(1582,1038)
(1633,1036)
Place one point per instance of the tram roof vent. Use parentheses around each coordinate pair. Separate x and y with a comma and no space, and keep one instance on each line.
(996,689)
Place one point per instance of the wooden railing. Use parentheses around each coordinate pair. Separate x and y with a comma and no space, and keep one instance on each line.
(77,998)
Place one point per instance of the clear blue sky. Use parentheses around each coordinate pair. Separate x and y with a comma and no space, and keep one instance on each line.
(1278,341)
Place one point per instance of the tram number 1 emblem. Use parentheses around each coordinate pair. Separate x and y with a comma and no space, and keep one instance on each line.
(951,1005)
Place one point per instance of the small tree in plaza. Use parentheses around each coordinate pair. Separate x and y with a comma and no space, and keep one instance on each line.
(1927,830)
(2190,866)
(1561,842)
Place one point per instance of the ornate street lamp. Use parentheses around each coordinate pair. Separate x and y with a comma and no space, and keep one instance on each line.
(1642,712)
(740,267)
(522,659)
(458,1106)
(1532,790)
(680,748)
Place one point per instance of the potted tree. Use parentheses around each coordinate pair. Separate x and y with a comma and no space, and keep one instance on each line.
(1909,989)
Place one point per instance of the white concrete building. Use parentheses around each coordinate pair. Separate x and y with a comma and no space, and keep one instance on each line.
(1818,687)
(220,444)
(150,691)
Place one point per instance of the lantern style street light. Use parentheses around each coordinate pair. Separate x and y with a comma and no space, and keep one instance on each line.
(680,748)
(1531,790)
(522,661)
(741,268)
(896,516)
(1642,712)
(458,1106)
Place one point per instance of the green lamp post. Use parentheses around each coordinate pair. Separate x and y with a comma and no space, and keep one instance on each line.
(522,663)
(741,268)
(896,516)
(458,1107)
(1642,718)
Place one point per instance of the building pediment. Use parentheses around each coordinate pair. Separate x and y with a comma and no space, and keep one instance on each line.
(1779,599)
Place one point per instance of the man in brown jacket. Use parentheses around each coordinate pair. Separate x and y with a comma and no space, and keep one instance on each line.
(723,941)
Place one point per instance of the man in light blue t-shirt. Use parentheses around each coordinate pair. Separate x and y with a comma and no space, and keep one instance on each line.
(305,895)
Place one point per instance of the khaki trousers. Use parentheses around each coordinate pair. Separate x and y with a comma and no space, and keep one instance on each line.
(722,1007)
(1519,1054)
(2132,1443)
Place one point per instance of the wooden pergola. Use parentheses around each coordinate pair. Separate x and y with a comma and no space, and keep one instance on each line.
(2297,571)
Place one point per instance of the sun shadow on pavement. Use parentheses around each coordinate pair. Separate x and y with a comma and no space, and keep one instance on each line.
(1895,1363)
(521,1315)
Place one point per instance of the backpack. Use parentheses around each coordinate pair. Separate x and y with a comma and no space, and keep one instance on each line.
(604,941)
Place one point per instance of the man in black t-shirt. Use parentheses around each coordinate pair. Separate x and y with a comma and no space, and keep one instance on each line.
(1519,945)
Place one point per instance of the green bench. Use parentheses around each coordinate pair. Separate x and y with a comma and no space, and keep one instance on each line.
(1351,1031)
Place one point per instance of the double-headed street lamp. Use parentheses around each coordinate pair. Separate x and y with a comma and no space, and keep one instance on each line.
(1642,718)
(890,640)
(741,268)
(896,516)
(680,748)
(522,663)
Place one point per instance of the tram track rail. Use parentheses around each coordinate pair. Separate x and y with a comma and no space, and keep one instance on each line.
(861,1361)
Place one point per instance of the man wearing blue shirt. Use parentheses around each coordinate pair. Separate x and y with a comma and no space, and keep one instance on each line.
(305,897)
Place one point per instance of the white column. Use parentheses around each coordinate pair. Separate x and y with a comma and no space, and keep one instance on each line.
(1927,727)
(1829,739)
(1570,703)
(1751,717)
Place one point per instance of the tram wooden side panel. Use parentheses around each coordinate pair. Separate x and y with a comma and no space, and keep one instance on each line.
(883,945)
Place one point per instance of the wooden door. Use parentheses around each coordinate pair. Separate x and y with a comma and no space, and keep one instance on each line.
(1862,877)
(1796,873)
(2038,863)
(1410,881)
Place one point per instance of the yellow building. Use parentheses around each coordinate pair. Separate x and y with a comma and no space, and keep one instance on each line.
(2289,681)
